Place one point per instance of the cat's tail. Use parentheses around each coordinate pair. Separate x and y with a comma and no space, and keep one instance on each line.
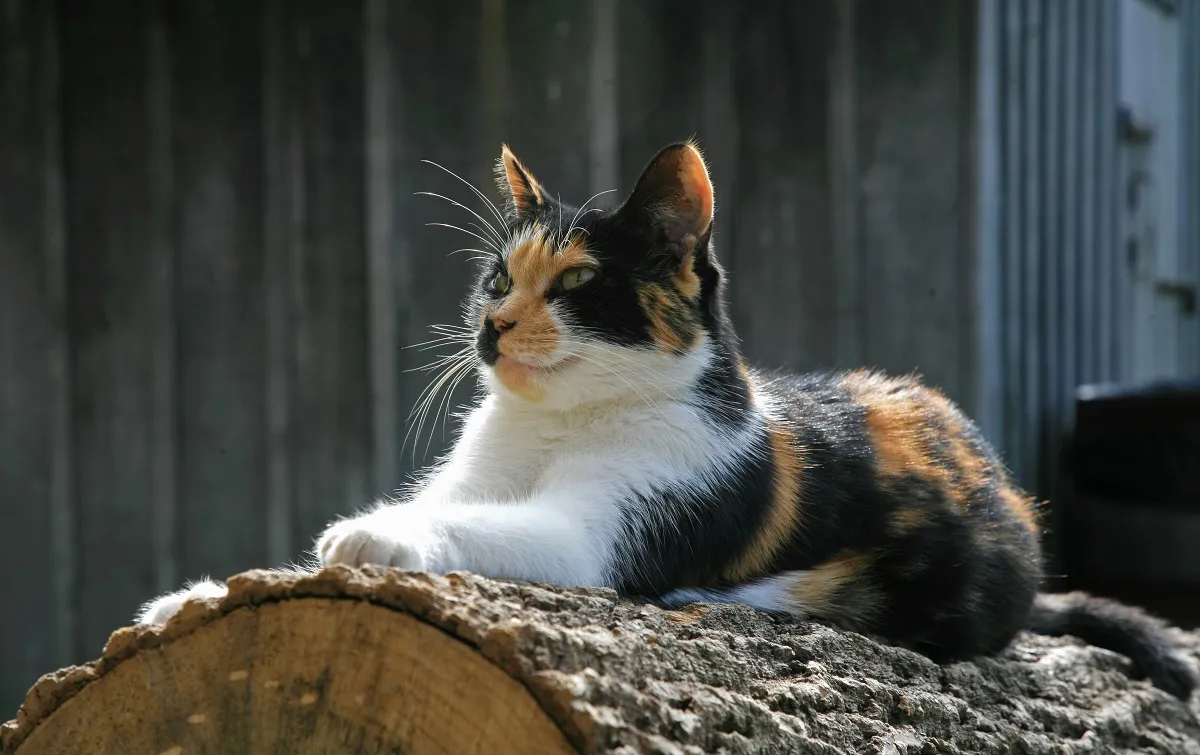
(1145,639)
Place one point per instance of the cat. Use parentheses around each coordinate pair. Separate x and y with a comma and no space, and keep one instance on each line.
(624,442)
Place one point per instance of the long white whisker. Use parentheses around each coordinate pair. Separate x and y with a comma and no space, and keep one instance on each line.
(424,404)
(438,340)
(584,205)
(446,384)
(499,216)
(456,203)
(463,370)
(486,241)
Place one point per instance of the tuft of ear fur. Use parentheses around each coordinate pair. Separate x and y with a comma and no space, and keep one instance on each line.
(525,193)
(674,193)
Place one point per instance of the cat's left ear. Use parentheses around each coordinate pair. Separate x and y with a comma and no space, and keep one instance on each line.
(525,193)
(675,194)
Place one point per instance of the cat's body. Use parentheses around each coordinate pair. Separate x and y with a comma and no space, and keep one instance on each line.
(624,442)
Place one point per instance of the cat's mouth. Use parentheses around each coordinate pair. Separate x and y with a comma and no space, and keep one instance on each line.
(506,363)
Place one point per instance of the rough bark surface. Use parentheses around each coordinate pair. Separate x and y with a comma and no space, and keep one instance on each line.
(623,677)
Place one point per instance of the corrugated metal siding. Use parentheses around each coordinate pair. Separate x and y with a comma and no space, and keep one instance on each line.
(1189,215)
(1049,283)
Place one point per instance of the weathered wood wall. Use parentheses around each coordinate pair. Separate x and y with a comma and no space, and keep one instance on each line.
(211,253)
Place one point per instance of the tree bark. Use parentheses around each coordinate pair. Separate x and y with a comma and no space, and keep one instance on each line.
(379,661)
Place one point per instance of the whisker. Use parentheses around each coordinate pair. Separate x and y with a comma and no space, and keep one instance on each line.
(425,401)
(438,340)
(584,205)
(470,249)
(463,370)
(456,203)
(487,242)
(499,216)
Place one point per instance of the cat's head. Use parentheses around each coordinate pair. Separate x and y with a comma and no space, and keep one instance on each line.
(586,304)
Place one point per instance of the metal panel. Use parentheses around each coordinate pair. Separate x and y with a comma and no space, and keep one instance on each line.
(1047,240)
(1189,193)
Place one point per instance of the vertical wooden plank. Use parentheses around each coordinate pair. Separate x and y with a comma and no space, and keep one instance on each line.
(35,468)
(1070,275)
(217,229)
(384,410)
(162,305)
(496,87)
(719,123)
(111,277)
(442,112)
(844,184)
(1051,242)
(1050,357)
(1109,298)
(991,213)
(604,116)
(1090,219)
(63,501)
(911,179)
(330,388)
(659,96)
(283,184)
(1034,198)
(968,303)
(784,268)
(550,95)
(1014,103)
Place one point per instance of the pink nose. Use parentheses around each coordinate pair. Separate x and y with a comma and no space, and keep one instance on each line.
(501,325)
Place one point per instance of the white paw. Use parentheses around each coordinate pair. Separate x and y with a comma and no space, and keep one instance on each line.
(156,612)
(372,539)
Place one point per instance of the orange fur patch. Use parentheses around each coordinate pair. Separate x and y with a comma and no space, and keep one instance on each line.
(906,422)
(839,590)
(526,191)
(783,517)
(686,281)
(672,320)
(1023,507)
(906,521)
(533,265)
(693,175)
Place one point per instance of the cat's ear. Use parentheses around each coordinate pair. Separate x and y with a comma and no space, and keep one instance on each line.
(524,191)
(675,194)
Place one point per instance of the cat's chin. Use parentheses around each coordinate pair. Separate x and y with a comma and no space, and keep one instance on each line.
(527,380)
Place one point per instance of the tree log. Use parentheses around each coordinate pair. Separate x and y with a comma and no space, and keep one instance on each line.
(380,661)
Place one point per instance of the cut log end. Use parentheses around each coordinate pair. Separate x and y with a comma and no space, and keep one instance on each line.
(312,675)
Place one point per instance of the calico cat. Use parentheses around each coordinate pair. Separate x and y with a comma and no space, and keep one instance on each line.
(624,442)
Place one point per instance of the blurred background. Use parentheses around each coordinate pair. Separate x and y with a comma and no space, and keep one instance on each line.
(211,254)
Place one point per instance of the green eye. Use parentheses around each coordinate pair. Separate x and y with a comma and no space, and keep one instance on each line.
(501,283)
(576,277)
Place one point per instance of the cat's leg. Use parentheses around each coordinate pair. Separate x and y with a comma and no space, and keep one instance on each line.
(565,541)
(157,611)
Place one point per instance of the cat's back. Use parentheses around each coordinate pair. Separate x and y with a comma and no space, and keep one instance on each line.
(889,450)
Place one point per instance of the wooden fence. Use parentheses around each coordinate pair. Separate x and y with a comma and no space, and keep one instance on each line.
(211,254)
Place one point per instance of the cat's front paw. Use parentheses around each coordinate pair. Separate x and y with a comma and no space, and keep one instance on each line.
(158,611)
(370,540)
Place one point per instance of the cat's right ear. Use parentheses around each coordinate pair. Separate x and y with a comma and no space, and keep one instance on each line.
(524,192)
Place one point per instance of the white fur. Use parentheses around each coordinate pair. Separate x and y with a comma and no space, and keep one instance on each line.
(542,490)
(773,593)
(157,611)
(546,490)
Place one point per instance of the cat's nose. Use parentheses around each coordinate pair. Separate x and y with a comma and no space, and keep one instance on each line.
(500,325)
